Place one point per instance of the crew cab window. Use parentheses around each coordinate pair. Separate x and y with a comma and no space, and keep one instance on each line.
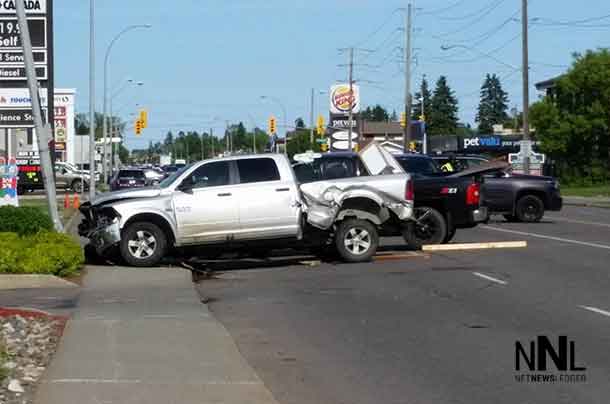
(257,170)
(210,175)
(419,165)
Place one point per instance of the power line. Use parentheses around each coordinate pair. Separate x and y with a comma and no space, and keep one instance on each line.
(439,11)
(492,4)
(474,20)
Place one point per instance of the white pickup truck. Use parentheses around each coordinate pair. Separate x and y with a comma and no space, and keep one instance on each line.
(251,202)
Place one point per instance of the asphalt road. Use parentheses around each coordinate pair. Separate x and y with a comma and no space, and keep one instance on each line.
(437,328)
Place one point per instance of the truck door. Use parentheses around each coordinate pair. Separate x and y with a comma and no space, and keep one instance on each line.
(205,205)
(267,203)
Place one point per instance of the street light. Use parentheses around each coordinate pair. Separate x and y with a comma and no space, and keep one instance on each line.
(276,100)
(113,151)
(487,55)
(104,117)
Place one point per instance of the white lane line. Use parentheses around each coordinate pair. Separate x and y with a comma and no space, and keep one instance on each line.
(561,219)
(489,278)
(563,240)
(596,310)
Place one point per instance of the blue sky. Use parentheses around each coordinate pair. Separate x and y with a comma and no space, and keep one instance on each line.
(207,61)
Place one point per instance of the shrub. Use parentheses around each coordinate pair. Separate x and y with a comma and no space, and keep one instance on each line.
(42,253)
(24,220)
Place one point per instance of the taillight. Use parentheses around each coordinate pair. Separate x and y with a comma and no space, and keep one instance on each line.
(409,191)
(473,194)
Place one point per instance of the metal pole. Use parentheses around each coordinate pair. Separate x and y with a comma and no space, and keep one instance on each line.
(526,90)
(92,101)
(42,130)
(351,94)
(212,139)
(423,113)
(202,149)
(407,129)
(311,122)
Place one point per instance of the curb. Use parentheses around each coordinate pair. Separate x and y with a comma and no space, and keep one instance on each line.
(587,204)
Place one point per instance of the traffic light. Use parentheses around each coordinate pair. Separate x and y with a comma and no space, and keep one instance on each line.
(403,119)
(144,118)
(320,125)
(324,147)
(138,127)
(272,126)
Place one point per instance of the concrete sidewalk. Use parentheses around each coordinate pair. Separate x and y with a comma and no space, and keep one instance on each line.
(142,336)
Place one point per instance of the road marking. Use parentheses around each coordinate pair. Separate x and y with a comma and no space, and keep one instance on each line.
(596,310)
(561,219)
(563,240)
(489,278)
(475,246)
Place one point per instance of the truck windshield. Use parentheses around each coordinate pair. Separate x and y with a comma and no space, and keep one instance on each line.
(170,180)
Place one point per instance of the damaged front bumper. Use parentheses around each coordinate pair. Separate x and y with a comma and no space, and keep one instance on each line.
(100,227)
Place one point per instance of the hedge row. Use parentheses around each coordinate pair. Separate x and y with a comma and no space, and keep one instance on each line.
(24,220)
(45,252)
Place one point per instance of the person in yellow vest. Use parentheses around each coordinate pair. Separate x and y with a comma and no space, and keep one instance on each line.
(447,167)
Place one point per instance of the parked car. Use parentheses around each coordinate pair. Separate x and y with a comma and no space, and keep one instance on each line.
(249,202)
(128,178)
(518,197)
(442,203)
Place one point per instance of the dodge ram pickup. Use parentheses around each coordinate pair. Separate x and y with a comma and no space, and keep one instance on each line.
(239,201)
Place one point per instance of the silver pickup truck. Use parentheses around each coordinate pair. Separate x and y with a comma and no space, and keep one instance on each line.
(252,201)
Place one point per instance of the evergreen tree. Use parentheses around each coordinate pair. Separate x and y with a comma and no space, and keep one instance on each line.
(424,92)
(442,116)
(493,104)
(375,114)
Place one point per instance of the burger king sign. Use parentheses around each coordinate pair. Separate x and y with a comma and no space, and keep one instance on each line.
(341,99)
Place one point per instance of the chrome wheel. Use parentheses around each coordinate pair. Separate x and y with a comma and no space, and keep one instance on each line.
(143,245)
(357,241)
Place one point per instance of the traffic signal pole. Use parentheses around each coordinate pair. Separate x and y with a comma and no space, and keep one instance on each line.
(526,83)
(42,130)
(407,128)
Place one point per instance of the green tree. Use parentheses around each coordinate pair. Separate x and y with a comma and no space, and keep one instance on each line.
(424,92)
(375,114)
(574,122)
(493,104)
(442,116)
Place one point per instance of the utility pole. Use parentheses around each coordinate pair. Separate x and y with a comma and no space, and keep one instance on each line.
(212,140)
(351,95)
(526,85)
(311,122)
(202,148)
(423,113)
(91,100)
(42,129)
(407,128)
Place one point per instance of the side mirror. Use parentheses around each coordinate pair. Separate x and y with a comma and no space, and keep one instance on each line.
(185,186)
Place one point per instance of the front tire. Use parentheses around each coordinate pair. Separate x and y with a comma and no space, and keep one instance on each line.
(530,209)
(430,228)
(143,244)
(356,240)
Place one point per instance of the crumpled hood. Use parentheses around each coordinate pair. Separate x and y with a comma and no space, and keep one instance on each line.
(148,192)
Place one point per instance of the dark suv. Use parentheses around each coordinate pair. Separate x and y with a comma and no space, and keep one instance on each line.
(128,178)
